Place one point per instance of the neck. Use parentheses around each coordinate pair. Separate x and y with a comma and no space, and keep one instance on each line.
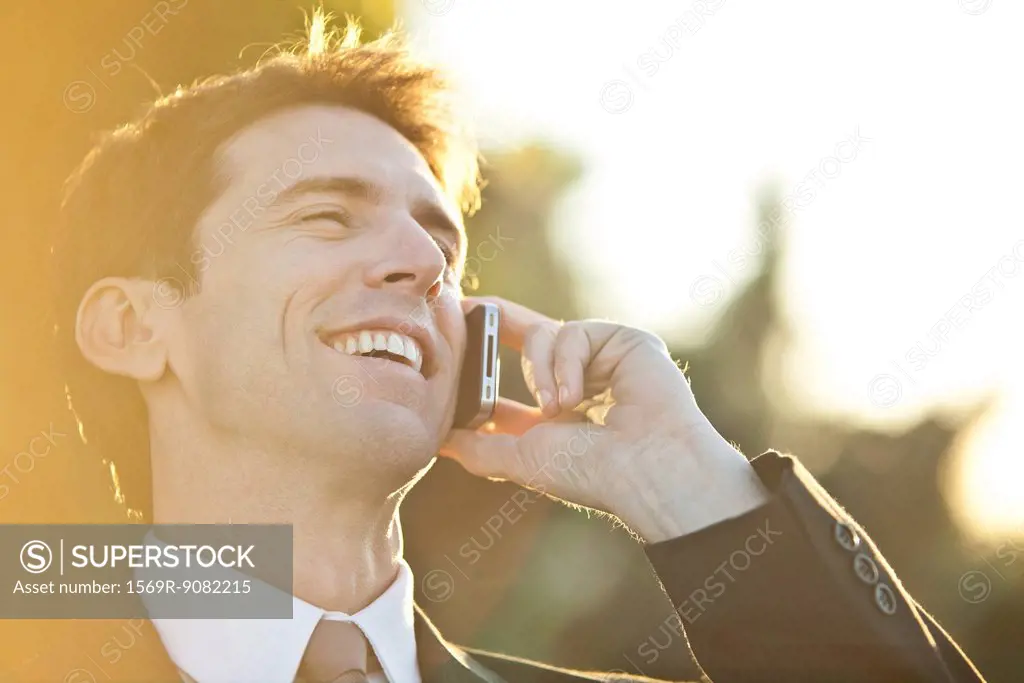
(347,539)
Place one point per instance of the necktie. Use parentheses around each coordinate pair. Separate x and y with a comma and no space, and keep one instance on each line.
(336,654)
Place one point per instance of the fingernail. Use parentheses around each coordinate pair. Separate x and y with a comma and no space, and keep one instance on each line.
(563,394)
(543,398)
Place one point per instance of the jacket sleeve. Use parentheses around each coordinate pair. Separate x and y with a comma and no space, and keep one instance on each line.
(796,591)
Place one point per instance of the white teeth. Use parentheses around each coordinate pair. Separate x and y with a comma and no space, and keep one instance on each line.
(365,342)
(395,344)
(410,352)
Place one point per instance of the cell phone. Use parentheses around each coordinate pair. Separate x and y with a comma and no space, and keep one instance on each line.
(478,383)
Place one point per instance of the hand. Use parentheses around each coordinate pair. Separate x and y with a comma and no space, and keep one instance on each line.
(618,429)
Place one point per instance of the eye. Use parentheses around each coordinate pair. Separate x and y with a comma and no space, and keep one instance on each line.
(449,253)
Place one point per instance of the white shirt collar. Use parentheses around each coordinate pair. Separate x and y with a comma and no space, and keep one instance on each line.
(270,650)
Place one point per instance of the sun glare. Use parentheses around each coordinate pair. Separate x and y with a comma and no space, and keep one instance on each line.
(987,482)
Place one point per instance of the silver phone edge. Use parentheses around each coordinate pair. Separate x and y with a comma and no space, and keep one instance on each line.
(488,393)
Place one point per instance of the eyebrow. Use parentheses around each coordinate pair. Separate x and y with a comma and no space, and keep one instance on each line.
(357,188)
(426,212)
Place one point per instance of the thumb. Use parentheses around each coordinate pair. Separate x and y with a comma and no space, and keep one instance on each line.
(553,458)
(495,456)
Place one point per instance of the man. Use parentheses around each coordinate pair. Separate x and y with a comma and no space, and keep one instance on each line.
(254,248)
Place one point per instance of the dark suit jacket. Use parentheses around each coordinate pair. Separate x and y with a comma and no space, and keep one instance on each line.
(791,591)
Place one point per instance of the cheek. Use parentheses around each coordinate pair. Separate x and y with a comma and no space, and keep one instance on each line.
(452,324)
(247,290)
(203,334)
(223,328)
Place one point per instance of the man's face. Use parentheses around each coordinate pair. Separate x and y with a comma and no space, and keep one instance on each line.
(327,322)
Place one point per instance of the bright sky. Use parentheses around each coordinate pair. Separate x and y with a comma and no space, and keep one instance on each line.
(908,116)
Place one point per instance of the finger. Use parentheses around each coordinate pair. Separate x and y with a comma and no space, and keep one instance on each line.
(551,458)
(512,417)
(538,355)
(624,352)
(516,320)
(533,335)
(572,354)
(485,455)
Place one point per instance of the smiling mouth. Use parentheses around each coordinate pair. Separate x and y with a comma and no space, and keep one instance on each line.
(384,344)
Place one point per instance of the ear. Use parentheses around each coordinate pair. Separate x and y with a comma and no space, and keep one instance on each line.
(119,328)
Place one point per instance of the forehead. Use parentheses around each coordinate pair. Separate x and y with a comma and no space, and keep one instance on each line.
(324,141)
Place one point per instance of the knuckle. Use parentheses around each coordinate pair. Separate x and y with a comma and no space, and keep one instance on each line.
(547,328)
(576,330)
(573,338)
(633,336)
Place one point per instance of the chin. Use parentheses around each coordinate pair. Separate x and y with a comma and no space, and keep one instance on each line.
(393,440)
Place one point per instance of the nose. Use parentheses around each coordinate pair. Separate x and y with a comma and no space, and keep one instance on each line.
(408,259)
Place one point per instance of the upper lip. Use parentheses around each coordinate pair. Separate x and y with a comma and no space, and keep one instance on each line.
(404,326)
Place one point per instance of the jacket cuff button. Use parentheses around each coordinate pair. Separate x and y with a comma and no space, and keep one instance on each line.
(846,536)
(885,599)
(865,569)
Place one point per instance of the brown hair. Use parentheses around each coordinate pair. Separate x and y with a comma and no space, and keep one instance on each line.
(131,206)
